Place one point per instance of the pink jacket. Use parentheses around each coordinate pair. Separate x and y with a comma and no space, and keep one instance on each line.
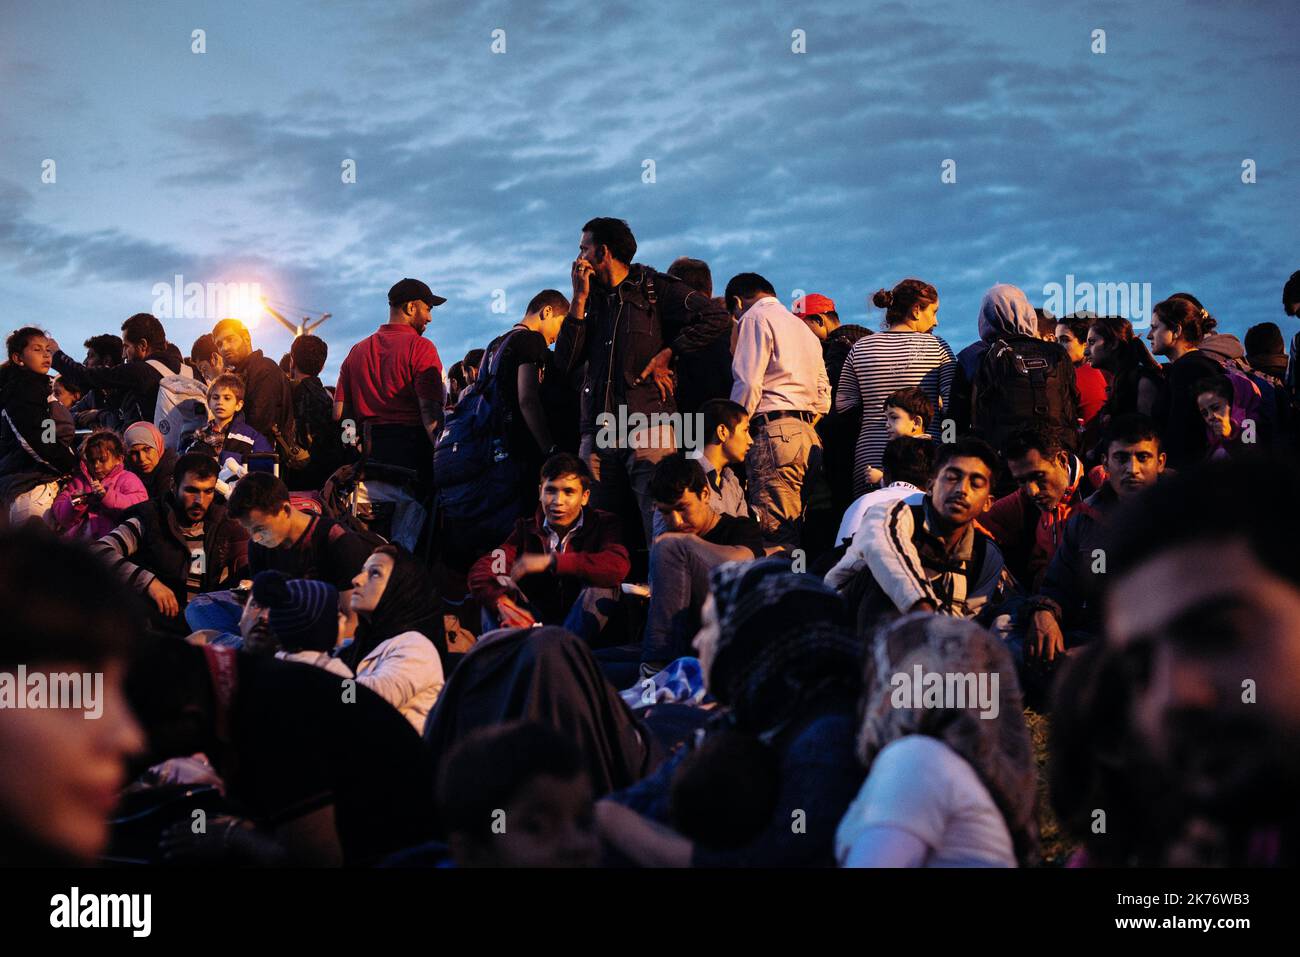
(122,489)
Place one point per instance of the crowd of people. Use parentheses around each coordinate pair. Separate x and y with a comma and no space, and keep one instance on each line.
(657,578)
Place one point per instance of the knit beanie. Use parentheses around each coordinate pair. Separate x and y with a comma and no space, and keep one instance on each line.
(303,614)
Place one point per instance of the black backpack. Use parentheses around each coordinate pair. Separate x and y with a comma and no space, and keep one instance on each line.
(1025,383)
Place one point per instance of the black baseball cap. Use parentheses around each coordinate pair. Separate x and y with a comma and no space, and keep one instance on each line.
(409,290)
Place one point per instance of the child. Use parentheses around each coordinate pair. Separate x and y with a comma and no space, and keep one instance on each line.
(726,443)
(907,412)
(227,435)
(517,795)
(67,393)
(1231,413)
(92,503)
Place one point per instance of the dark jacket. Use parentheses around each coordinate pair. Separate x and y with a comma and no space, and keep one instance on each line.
(149,544)
(595,555)
(1027,535)
(26,459)
(136,382)
(159,482)
(268,396)
(317,433)
(1070,583)
(623,331)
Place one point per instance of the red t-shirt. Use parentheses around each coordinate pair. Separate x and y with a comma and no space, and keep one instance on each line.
(385,375)
(1092,391)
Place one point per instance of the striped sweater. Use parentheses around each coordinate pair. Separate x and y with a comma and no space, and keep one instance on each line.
(880,365)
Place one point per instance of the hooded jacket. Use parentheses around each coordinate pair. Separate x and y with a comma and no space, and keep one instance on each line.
(1004,312)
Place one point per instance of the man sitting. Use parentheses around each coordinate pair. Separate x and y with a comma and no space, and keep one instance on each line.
(176,548)
(906,467)
(1065,612)
(559,567)
(697,541)
(1027,523)
(726,443)
(296,543)
(926,552)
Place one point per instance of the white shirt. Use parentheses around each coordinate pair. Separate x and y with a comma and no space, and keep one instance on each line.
(778,363)
(920,785)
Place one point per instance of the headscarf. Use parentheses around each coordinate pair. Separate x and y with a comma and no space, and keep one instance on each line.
(1006,312)
(409,603)
(143,433)
(997,749)
(784,640)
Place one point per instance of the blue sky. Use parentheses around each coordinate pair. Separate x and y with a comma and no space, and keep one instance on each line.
(475,170)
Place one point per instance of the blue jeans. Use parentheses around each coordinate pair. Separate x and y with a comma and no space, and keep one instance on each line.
(217,610)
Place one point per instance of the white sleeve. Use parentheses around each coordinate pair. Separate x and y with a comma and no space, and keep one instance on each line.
(749,364)
(401,667)
(885,540)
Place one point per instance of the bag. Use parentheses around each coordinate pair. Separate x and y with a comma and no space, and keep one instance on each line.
(182,406)
(473,436)
(1028,383)
(480,514)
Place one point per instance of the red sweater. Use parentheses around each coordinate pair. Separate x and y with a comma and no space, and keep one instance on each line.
(593,555)
(1027,536)
(1092,391)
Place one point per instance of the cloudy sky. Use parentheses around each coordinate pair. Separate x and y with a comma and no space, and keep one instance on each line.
(475,170)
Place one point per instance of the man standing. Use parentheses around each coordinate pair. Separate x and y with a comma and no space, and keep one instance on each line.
(627,322)
(780,379)
(268,397)
(392,382)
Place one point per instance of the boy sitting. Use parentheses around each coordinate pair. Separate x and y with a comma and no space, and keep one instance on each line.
(227,435)
(558,567)
(907,412)
(726,443)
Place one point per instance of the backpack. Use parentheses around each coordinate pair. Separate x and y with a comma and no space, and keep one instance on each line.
(473,436)
(1025,383)
(182,405)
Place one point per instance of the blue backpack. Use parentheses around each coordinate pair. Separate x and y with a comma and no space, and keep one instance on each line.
(476,476)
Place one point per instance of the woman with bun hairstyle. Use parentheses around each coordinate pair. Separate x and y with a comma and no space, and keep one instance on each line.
(907,355)
(1177,327)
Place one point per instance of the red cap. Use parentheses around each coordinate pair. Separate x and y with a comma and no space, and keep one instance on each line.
(813,304)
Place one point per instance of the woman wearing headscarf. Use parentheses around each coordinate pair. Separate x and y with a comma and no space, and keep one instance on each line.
(400,643)
(779,654)
(946,786)
(149,458)
(1004,313)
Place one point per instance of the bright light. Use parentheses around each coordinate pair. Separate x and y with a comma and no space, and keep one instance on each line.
(245,304)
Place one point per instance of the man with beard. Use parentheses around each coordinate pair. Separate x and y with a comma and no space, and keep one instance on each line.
(1065,612)
(174,548)
(1203,609)
(1027,523)
(926,552)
